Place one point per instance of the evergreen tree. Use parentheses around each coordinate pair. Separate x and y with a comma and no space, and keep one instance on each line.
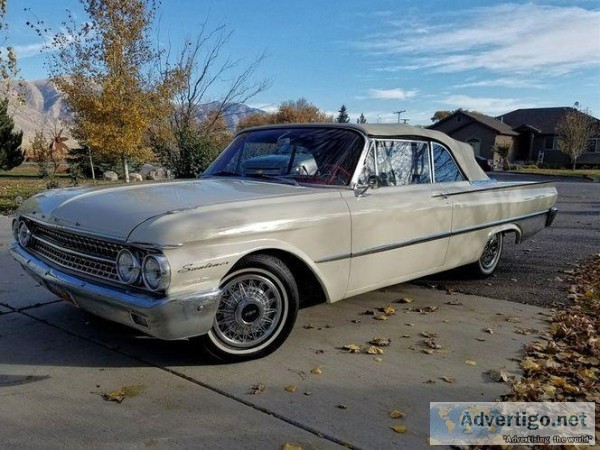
(361,119)
(343,115)
(11,154)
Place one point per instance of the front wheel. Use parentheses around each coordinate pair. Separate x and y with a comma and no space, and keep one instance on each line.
(490,257)
(256,311)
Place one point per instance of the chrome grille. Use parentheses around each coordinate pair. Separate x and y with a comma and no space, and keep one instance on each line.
(76,262)
(95,247)
(83,254)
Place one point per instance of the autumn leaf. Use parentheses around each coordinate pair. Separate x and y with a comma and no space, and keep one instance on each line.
(381,317)
(257,389)
(404,300)
(428,351)
(470,362)
(396,414)
(114,396)
(513,320)
(498,375)
(380,342)
(289,446)
(316,371)
(378,359)
(399,428)
(374,350)
(450,380)
(352,348)
(389,310)
(488,331)
(291,388)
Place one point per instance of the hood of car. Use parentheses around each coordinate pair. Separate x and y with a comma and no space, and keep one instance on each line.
(116,211)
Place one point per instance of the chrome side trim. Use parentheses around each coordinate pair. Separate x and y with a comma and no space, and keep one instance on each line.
(497,188)
(433,237)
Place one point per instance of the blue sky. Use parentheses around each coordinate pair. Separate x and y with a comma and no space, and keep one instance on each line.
(381,56)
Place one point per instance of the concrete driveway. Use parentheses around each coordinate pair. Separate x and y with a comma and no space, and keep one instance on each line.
(55,362)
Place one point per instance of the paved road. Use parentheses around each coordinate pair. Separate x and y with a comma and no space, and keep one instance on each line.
(55,361)
(534,271)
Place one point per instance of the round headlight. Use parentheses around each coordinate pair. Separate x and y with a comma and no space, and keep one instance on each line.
(156,272)
(24,235)
(15,229)
(128,267)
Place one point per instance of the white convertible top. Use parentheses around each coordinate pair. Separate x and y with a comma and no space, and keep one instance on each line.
(462,152)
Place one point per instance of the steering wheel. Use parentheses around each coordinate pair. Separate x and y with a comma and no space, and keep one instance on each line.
(334,174)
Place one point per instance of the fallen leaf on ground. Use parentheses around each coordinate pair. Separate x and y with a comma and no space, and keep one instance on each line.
(381,317)
(428,351)
(341,406)
(368,312)
(399,428)
(308,326)
(114,396)
(404,300)
(388,310)
(498,375)
(257,389)
(374,350)
(380,342)
(395,414)
(454,303)
(513,320)
(424,309)
(430,381)
(352,348)
(378,359)
(316,371)
(291,388)
(526,331)
(481,339)
(289,446)
(432,344)
(488,331)
(449,380)
(470,362)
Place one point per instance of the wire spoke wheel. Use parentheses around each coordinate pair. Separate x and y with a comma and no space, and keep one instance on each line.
(490,257)
(256,311)
(250,309)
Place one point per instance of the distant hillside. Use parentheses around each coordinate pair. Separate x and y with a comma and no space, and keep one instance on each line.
(44,110)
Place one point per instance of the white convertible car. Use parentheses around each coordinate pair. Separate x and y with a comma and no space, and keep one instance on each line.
(287,216)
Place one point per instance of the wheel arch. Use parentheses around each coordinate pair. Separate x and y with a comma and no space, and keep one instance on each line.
(507,229)
(310,287)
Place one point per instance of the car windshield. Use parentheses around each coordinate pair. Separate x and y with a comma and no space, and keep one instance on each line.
(316,155)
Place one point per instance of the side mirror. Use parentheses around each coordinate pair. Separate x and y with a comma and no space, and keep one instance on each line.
(373,182)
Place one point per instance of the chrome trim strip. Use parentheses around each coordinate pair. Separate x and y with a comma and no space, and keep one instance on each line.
(496,188)
(73,252)
(433,237)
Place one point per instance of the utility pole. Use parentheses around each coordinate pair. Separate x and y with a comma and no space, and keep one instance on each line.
(399,113)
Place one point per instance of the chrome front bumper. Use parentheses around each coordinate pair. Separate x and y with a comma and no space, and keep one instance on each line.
(177,317)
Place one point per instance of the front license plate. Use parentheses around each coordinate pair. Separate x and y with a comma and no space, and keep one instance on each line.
(62,293)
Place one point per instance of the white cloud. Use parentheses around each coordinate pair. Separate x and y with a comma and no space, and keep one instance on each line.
(508,38)
(25,51)
(392,94)
(503,82)
(486,105)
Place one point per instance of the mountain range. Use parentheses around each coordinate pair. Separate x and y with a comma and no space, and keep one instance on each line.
(43,109)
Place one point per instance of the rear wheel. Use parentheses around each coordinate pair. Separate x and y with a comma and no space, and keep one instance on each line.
(256,312)
(490,257)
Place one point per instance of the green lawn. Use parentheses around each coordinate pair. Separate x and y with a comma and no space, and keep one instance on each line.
(587,173)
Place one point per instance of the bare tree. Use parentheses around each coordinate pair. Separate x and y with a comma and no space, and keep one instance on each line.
(211,85)
(574,131)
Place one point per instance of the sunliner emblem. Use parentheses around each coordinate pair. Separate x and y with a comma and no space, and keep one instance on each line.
(192,267)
